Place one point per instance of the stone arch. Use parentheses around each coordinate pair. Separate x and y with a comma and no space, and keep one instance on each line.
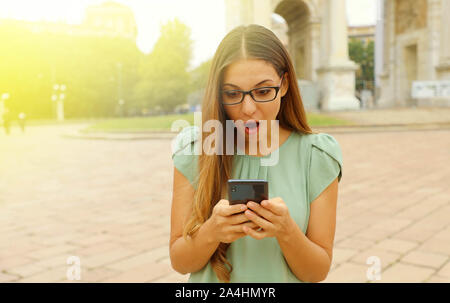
(310,5)
(303,34)
(316,39)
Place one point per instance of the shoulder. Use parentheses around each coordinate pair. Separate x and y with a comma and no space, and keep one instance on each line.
(184,141)
(325,163)
(326,155)
(185,153)
(326,143)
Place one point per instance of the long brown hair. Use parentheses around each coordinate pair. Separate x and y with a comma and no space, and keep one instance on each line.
(244,42)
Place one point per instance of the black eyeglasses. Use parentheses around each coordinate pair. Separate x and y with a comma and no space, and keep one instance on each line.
(260,94)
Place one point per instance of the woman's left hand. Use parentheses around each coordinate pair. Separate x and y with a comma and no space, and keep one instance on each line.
(272,216)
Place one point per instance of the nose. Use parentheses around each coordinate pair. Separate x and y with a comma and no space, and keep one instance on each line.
(248,105)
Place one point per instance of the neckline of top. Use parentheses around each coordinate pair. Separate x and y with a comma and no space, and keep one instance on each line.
(268,155)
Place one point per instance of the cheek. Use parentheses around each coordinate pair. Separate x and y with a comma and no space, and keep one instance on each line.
(271,112)
(232,113)
(268,111)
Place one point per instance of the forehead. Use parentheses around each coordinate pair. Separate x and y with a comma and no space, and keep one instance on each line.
(247,72)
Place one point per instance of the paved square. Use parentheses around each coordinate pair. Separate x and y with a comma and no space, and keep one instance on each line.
(108,203)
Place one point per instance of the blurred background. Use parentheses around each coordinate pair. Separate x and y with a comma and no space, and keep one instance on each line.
(89,91)
(92,59)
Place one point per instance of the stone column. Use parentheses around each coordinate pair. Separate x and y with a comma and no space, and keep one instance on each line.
(337,73)
(445,31)
(444,58)
(386,98)
(315,48)
(232,14)
(338,33)
(262,13)
(434,29)
(238,12)
(379,44)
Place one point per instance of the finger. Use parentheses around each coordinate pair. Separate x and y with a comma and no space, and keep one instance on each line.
(239,228)
(275,205)
(251,225)
(262,211)
(235,236)
(237,219)
(233,209)
(258,220)
(258,235)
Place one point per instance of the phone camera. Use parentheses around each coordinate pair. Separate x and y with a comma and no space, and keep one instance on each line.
(233,189)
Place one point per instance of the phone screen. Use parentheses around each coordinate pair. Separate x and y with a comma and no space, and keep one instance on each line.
(243,191)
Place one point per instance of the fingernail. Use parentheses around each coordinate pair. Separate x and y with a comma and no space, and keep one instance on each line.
(243,207)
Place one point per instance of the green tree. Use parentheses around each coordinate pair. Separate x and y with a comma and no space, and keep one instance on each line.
(32,62)
(199,75)
(363,54)
(165,80)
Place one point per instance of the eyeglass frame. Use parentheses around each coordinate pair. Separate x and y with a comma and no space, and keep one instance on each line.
(249,92)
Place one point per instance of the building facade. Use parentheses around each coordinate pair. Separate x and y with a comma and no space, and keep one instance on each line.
(107,19)
(364,33)
(317,38)
(111,18)
(415,46)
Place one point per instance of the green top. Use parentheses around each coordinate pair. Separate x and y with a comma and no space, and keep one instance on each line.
(307,164)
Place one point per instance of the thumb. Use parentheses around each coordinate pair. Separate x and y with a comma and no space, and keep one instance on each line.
(224,202)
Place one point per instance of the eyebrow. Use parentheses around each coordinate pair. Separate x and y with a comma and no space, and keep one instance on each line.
(254,85)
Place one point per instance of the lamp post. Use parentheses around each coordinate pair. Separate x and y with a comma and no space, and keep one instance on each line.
(119,89)
(2,105)
(58,97)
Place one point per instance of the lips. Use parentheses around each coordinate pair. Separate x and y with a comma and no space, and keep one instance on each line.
(251,126)
(251,123)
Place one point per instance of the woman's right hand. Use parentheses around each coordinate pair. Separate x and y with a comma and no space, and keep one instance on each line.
(227,221)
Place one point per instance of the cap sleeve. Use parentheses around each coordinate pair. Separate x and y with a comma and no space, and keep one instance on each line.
(325,164)
(183,153)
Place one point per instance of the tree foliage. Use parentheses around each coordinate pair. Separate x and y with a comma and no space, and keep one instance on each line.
(165,80)
(363,54)
(199,75)
(97,71)
(31,63)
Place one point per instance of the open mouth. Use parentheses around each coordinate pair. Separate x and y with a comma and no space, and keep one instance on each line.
(251,127)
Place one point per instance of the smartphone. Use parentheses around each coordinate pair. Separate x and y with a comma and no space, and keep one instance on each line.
(242,191)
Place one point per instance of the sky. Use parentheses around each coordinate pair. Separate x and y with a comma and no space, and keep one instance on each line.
(207,29)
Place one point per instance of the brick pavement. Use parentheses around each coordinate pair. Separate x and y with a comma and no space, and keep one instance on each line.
(108,202)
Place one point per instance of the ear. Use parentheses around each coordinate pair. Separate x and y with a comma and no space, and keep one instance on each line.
(285,84)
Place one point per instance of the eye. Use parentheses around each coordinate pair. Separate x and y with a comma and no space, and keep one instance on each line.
(262,91)
(231,94)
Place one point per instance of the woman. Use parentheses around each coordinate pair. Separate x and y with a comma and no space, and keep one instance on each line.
(289,237)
